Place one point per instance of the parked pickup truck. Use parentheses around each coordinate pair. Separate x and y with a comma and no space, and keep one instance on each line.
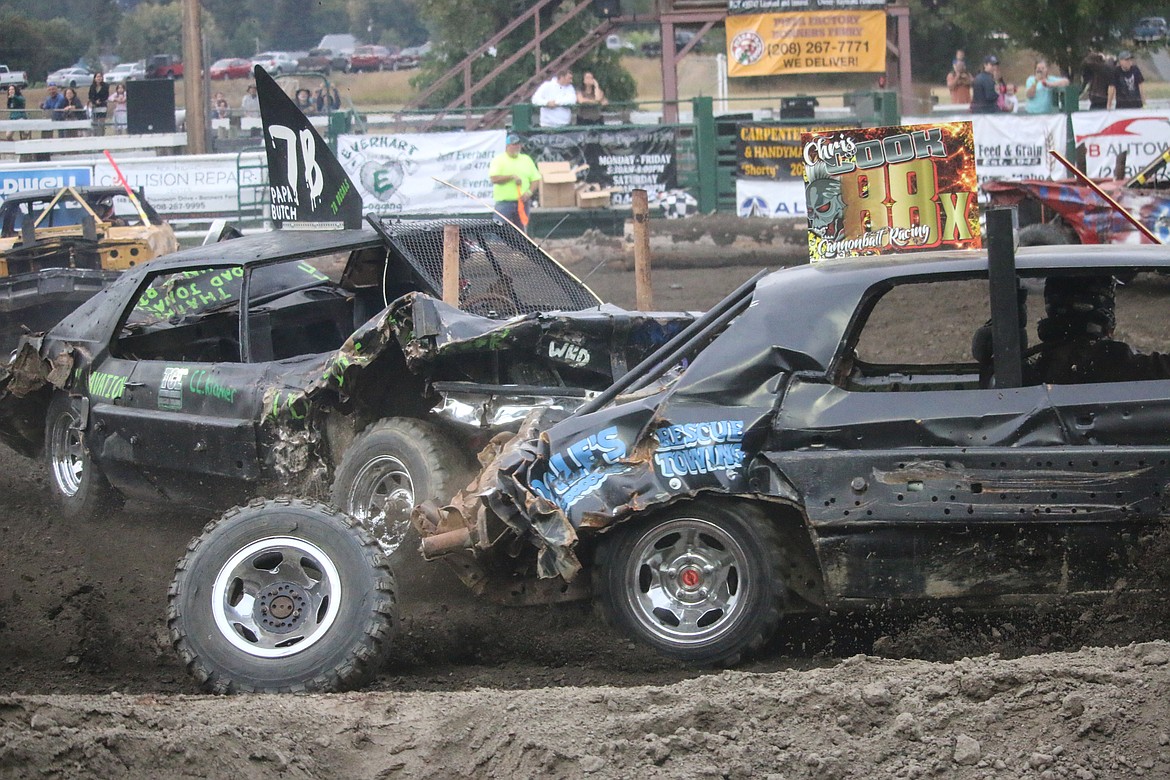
(12,77)
(164,66)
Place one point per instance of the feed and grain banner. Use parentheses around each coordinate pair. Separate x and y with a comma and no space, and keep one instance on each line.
(879,190)
(765,39)
(620,160)
(398,174)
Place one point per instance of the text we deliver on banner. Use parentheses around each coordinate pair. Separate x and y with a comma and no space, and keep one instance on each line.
(852,41)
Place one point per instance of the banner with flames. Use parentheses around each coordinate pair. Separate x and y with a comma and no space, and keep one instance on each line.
(879,190)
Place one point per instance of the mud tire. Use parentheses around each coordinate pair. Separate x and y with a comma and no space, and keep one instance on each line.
(79,489)
(631,561)
(346,638)
(397,462)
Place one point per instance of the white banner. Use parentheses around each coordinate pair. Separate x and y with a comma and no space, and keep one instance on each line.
(1142,134)
(396,174)
(769,198)
(1006,147)
(206,184)
(1014,146)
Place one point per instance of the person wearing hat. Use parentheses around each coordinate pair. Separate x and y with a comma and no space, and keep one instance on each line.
(985,88)
(1126,91)
(1076,337)
(515,180)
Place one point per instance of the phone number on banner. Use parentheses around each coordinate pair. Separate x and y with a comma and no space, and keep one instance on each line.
(769,44)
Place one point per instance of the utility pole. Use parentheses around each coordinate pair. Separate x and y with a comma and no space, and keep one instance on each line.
(194,94)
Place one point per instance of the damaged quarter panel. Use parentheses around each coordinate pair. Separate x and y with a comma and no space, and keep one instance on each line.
(698,435)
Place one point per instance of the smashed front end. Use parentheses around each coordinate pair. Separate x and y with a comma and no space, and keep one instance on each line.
(690,420)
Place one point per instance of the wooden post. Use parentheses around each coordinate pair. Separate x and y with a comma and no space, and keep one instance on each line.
(643,290)
(451,264)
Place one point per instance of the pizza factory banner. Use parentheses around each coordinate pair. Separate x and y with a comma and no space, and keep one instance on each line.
(405,173)
(890,189)
(622,160)
(836,41)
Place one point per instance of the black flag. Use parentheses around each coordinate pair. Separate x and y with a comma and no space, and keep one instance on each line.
(307,186)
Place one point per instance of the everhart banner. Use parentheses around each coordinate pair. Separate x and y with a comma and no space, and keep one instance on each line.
(405,173)
(890,189)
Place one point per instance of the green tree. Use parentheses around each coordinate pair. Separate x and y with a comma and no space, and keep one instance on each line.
(39,46)
(151,29)
(1063,31)
(456,33)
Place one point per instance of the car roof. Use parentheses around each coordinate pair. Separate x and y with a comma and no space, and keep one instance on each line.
(260,248)
(806,309)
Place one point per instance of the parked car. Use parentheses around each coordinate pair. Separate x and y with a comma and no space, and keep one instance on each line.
(324,61)
(127,71)
(70,77)
(164,66)
(1150,30)
(231,68)
(410,57)
(277,63)
(370,58)
(15,78)
(802,450)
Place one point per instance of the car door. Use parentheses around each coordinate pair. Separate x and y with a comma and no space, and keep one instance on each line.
(917,481)
(183,421)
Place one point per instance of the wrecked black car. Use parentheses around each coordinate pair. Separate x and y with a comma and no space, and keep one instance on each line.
(833,437)
(291,363)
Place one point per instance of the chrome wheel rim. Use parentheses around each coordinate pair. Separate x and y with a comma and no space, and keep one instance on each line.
(276,597)
(686,581)
(381,498)
(67,452)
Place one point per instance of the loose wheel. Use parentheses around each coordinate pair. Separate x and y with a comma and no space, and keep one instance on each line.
(282,596)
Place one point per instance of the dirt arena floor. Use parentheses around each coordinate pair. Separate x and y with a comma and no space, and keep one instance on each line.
(89,686)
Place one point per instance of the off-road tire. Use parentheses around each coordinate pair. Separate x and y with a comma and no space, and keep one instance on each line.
(79,488)
(413,459)
(1047,234)
(747,537)
(345,650)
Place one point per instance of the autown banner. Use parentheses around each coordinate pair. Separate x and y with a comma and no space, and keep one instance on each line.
(1143,135)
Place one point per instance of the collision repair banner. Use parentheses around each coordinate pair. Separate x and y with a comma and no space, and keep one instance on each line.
(891,189)
(837,41)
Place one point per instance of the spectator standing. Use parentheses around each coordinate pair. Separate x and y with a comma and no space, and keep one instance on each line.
(556,98)
(99,100)
(1009,102)
(515,180)
(16,103)
(1097,77)
(118,101)
(73,109)
(590,99)
(1038,90)
(250,104)
(985,89)
(222,111)
(54,104)
(959,82)
(1126,91)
